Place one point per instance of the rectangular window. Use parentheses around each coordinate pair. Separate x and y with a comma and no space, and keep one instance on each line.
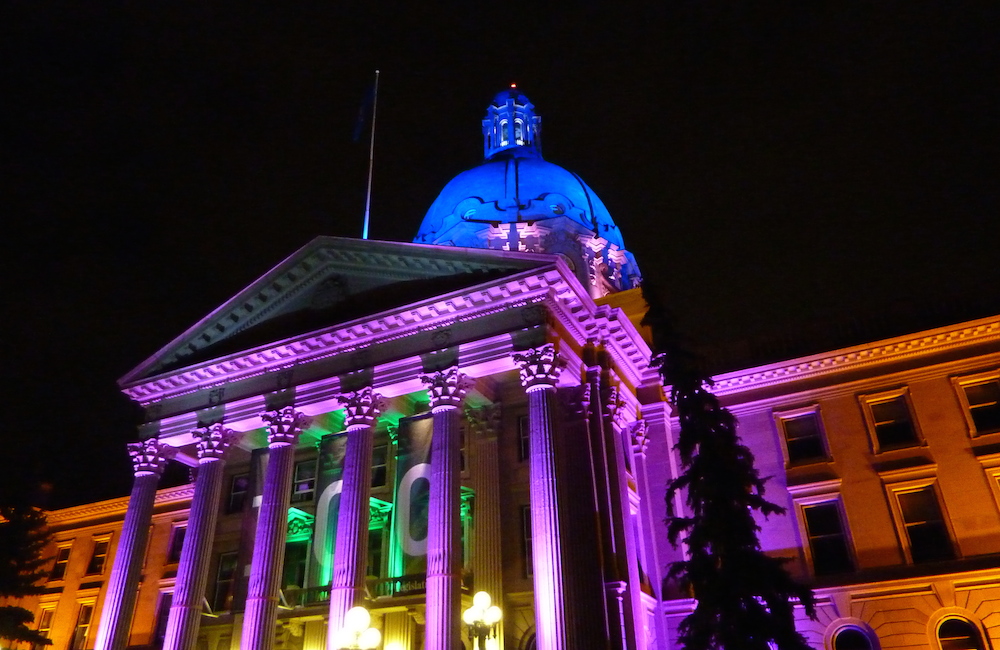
(176,544)
(162,615)
(380,465)
(239,487)
(82,629)
(58,571)
(523,436)
(98,558)
(374,568)
(926,529)
(890,420)
(983,401)
(45,618)
(225,579)
(526,541)
(828,543)
(803,435)
(304,481)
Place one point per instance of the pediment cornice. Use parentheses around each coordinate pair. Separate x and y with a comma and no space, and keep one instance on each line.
(552,287)
(322,259)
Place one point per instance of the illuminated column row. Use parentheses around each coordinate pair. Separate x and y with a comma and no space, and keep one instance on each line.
(149,457)
(349,559)
(539,371)
(444,569)
(260,618)
(485,473)
(192,573)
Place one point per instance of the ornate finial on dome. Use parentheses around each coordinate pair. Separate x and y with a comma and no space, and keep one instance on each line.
(511,126)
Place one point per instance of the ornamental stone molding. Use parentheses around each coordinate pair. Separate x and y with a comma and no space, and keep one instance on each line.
(484,422)
(284,425)
(616,407)
(150,456)
(638,436)
(539,366)
(575,400)
(362,407)
(447,388)
(213,440)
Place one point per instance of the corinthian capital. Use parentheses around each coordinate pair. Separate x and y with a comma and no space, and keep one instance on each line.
(149,456)
(446,387)
(362,407)
(539,366)
(213,440)
(284,425)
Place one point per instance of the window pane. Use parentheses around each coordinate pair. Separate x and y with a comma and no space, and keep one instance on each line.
(893,425)
(851,638)
(959,634)
(62,561)
(984,406)
(176,545)
(804,438)
(380,459)
(925,526)
(827,541)
(238,489)
(919,506)
(97,558)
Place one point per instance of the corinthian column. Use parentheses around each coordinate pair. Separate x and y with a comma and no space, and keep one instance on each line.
(149,457)
(361,410)
(185,611)
(444,570)
(260,618)
(539,371)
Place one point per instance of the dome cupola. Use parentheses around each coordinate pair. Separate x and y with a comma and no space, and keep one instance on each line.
(511,126)
(516,200)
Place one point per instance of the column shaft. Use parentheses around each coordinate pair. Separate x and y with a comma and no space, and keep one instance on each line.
(351,551)
(551,611)
(261,613)
(123,583)
(444,569)
(192,573)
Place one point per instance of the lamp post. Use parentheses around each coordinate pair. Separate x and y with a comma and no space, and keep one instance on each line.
(482,618)
(357,633)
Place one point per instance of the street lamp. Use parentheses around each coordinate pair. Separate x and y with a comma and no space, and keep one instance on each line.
(357,633)
(482,618)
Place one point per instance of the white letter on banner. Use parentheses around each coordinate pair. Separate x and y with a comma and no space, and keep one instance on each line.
(322,546)
(412,547)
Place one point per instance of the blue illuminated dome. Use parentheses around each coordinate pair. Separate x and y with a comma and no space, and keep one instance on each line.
(516,198)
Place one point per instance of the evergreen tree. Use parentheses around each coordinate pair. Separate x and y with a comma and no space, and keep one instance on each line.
(23,537)
(744,598)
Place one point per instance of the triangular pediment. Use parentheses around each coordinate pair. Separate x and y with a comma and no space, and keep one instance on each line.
(329,281)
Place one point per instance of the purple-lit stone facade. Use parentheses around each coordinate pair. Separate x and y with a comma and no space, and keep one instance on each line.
(149,458)
(539,372)
(361,410)
(446,389)
(260,617)
(192,573)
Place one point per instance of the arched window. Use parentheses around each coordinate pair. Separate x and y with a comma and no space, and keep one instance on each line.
(519,131)
(959,634)
(504,134)
(851,638)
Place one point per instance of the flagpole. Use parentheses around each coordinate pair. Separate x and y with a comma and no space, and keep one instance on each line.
(371,160)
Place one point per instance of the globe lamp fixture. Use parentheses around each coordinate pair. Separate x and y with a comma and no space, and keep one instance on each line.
(482,619)
(357,633)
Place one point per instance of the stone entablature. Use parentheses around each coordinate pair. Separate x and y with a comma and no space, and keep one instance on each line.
(869,357)
(317,359)
(115,507)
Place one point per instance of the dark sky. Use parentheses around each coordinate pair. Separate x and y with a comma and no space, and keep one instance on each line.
(771,168)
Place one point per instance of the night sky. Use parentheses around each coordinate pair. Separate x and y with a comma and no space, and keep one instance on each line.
(772,169)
